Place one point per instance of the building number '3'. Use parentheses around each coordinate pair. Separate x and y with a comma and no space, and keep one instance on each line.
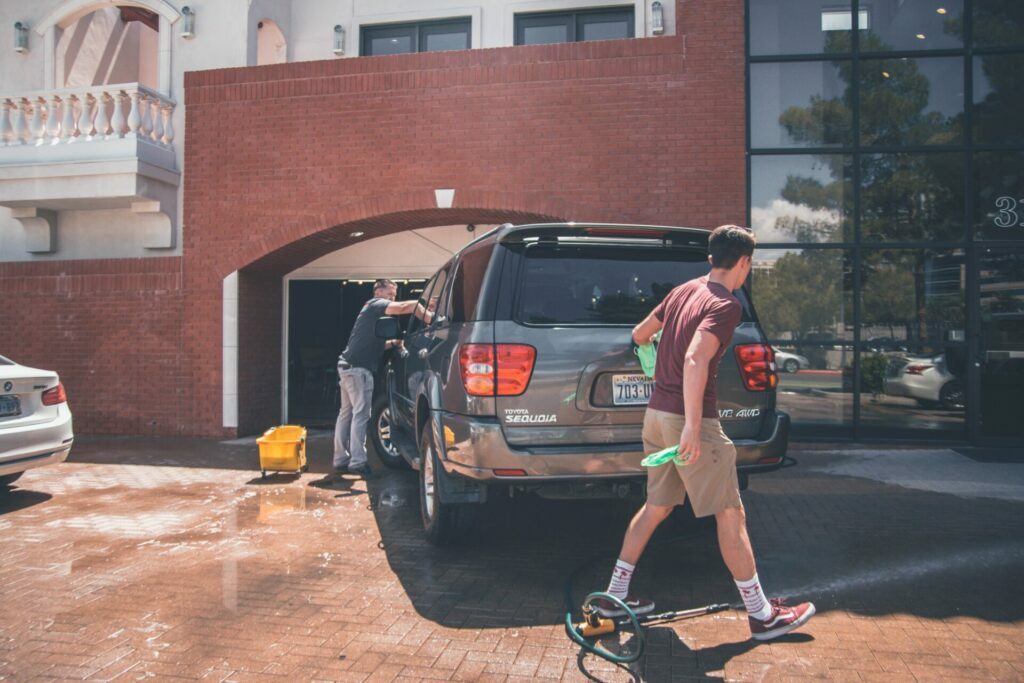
(1008,216)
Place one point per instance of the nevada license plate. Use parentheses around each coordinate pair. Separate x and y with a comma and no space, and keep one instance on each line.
(631,390)
(9,405)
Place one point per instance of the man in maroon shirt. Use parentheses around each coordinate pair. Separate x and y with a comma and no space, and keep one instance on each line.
(697,320)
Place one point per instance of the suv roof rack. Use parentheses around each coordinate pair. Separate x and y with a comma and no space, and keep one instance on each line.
(604,231)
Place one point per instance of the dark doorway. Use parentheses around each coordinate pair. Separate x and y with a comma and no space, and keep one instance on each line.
(320,317)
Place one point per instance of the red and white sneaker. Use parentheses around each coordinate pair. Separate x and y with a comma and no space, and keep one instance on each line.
(609,610)
(782,620)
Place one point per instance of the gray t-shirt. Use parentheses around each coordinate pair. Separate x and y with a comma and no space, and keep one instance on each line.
(365,348)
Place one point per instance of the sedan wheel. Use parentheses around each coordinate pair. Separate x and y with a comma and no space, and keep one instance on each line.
(791,366)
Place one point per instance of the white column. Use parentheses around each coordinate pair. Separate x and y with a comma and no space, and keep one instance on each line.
(5,122)
(19,122)
(37,128)
(145,107)
(50,58)
(164,56)
(84,117)
(67,121)
(158,121)
(230,351)
(52,119)
(117,122)
(168,113)
(133,115)
(102,123)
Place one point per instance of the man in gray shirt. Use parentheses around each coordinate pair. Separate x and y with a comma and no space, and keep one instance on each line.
(356,367)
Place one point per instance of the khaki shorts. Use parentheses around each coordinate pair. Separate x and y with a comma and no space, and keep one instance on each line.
(711,482)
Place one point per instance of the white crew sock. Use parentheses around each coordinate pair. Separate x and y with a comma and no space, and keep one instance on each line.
(753,597)
(621,576)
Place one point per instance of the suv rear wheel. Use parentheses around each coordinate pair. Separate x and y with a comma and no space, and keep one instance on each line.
(443,522)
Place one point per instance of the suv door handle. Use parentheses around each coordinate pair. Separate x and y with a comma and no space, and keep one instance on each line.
(423,354)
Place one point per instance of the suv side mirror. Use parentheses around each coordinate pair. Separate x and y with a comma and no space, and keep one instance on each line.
(387,327)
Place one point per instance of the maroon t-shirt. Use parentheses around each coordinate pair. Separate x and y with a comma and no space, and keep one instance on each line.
(694,305)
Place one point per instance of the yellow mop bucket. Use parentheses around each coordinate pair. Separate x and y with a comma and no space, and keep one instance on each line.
(283,449)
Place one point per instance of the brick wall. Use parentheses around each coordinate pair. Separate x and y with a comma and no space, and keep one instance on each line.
(284,162)
(112,330)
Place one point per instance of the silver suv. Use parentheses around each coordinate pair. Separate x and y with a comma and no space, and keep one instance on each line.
(526,377)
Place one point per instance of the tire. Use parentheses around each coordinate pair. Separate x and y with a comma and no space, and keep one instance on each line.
(443,523)
(952,396)
(8,479)
(791,366)
(380,435)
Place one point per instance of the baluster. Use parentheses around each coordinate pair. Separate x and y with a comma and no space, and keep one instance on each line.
(36,129)
(102,124)
(67,121)
(146,125)
(52,120)
(158,122)
(85,118)
(117,122)
(133,116)
(168,125)
(5,122)
(19,123)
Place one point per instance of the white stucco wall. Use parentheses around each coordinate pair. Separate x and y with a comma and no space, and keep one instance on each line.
(226,36)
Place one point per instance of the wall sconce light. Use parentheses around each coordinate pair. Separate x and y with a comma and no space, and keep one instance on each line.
(20,37)
(339,39)
(188,22)
(657,18)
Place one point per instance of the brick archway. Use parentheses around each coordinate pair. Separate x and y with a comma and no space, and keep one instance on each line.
(252,389)
(304,240)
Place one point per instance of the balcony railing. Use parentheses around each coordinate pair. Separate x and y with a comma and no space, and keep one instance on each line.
(103,112)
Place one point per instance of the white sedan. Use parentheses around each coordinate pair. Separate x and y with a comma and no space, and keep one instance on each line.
(790,362)
(35,421)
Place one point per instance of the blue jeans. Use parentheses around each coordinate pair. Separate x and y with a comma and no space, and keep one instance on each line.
(350,430)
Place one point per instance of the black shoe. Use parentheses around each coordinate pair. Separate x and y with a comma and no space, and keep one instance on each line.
(363,472)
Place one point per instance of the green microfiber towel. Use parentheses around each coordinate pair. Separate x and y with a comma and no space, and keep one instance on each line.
(663,456)
(648,354)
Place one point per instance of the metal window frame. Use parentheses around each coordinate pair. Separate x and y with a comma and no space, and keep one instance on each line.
(971,244)
(415,30)
(573,20)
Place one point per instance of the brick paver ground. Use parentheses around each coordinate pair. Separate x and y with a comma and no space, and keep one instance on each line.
(172,560)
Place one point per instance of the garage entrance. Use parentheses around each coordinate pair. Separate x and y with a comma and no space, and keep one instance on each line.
(321,314)
(323,298)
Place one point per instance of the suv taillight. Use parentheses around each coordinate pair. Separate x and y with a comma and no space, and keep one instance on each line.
(496,369)
(757,366)
(52,397)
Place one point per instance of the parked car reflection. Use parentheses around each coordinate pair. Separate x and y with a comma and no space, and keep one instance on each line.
(925,379)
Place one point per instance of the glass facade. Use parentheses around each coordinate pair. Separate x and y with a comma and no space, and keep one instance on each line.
(886,176)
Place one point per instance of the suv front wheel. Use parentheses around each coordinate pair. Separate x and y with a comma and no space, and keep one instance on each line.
(380,433)
(444,523)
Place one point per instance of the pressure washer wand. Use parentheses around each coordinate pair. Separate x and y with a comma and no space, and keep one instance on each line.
(678,614)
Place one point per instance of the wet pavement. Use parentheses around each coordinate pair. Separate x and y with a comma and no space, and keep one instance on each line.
(173,559)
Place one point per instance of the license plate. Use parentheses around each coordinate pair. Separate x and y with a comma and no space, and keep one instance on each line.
(9,405)
(631,390)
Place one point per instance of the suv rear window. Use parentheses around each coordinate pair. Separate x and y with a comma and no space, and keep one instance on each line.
(602,284)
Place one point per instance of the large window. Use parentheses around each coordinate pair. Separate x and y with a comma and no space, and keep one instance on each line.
(426,36)
(885,150)
(536,28)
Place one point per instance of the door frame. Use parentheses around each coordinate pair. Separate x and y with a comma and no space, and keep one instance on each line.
(975,357)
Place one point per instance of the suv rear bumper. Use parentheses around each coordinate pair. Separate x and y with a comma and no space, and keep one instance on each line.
(475,448)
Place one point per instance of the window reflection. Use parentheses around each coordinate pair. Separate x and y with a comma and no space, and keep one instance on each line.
(913,25)
(800,104)
(912,301)
(803,295)
(912,197)
(999,195)
(998,22)
(801,198)
(799,27)
(911,101)
(816,383)
(998,99)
